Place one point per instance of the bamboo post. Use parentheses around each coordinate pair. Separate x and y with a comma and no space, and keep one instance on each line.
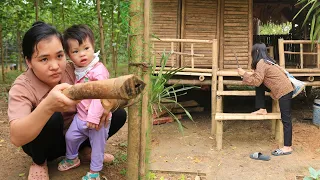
(275,107)
(318,56)
(135,111)
(279,132)
(221,38)
(214,85)
(183,25)
(301,55)
(192,57)
(250,31)
(146,122)
(281,53)
(219,133)
(172,51)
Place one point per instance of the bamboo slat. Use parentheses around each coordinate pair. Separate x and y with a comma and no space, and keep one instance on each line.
(303,53)
(246,116)
(297,42)
(238,93)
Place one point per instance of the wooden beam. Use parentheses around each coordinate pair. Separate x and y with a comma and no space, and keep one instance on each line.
(281,53)
(221,38)
(246,116)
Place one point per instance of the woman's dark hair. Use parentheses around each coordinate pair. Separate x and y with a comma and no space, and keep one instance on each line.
(78,32)
(259,51)
(34,35)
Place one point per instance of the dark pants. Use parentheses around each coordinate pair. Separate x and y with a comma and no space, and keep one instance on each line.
(285,110)
(50,143)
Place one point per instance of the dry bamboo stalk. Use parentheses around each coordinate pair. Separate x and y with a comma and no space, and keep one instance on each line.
(318,55)
(172,58)
(246,116)
(238,93)
(303,70)
(275,109)
(214,85)
(250,6)
(123,87)
(222,32)
(184,40)
(189,81)
(281,53)
(188,69)
(305,74)
(192,58)
(297,42)
(219,124)
(301,55)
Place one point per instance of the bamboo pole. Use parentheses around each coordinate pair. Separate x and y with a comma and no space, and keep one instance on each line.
(219,122)
(221,38)
(301,55)
(192,58)
(297,41)
(123,87)
(146,122)
(101,31)
(281,53)
(214,85)
(318,56)
(275,106)
(183,40)
(172,58)
(183,26)
(237,93)
(2,56)
(189,81)
(246,116)
(134,114)
(250,31)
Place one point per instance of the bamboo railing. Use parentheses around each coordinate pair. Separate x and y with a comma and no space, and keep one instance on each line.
(302,52)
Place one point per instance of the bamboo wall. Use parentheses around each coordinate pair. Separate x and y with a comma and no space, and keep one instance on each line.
(229,21)
(165,24)
(235,33)
(200,22)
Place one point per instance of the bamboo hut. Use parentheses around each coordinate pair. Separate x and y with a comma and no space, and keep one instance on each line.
(205,36)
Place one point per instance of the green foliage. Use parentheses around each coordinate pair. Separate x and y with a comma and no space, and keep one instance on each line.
(312,17)
(161,94)
(17,15)
(151,176)
(182,177)
(123,172)
(275,29)
(120,158)
(314,175)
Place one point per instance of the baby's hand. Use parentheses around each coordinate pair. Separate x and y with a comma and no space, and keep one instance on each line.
(91,125)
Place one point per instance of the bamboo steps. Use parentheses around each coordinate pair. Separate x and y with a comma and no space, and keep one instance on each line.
(246,116)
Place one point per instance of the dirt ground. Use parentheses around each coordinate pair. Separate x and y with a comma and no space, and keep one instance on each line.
(176,156)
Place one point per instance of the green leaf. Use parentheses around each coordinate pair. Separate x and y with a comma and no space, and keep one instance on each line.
(21,174)
(313,173)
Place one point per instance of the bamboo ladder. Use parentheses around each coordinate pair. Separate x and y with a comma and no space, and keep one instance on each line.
(219,116)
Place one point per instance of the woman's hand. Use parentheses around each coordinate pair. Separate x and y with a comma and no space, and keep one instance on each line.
(58,102)
(104,120)
(241,71)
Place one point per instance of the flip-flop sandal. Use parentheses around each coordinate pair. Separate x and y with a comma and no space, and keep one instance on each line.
(259,156)
(91,176)
(37,172)
(107,158)
(279,152)
(67,164)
